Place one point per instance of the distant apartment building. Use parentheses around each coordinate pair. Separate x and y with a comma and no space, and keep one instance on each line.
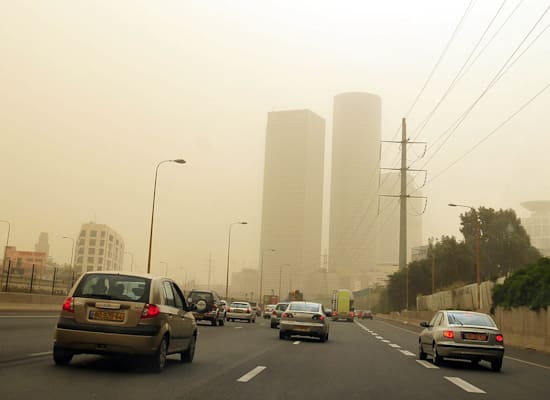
(43,245)
(22,262)
(292,209)
(538,225)
(99,248)
(354,189)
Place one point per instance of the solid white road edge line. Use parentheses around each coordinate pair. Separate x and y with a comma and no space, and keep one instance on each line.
(249,375)
(461,383)
(296,342)
(44,353)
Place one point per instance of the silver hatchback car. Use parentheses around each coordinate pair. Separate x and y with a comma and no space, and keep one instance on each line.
(462,334)
(304,319)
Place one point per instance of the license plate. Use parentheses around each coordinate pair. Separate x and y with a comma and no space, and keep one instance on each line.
(106,316)
(239,311)
(475,336)
(301,329)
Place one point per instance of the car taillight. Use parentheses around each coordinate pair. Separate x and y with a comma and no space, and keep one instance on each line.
(150,311)
(228,309)
(334,313)
(274,312)
(68,304)
(248,310)
(500,338)
(352,315)
(214,307)
(448,334)
(287,315)
(321,317)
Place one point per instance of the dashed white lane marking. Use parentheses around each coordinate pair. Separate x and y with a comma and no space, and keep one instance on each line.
(44,353)
(379,337)
(461,383)
(395,346)
(249,375)
(407,353)
(386,341)
(238,327)
(427,364)
(296,342)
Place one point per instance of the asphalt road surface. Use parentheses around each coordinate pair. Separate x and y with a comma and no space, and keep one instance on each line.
(363,360)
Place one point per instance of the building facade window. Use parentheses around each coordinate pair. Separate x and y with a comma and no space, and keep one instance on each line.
(92,242)
(93,234)
(91,250)
(90,260)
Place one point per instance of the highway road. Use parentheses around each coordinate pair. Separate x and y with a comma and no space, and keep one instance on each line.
(362,360)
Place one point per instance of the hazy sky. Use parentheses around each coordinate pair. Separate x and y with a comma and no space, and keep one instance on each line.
(93,94)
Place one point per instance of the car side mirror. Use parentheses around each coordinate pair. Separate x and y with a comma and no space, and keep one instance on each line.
(425,324)
(189,300)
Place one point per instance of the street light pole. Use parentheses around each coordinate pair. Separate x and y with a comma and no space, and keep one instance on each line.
(165,267)
(132,262)
(72,250)
(281,277)
(478,240)
(5,251)
(178,161)
(260,301)
(228,250)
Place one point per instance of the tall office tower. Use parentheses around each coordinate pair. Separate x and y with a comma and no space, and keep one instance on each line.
(43,245)
(387,252)
(99,248)
(292,201)
(354,188)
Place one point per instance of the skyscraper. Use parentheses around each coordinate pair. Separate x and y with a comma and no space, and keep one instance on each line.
(292,200)
(99,248)
(354,187)
(43,245)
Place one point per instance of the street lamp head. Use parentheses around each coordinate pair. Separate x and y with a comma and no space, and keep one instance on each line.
(179,161)
(243,223)
(452,205)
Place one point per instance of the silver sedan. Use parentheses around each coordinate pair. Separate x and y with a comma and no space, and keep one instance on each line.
(304,319)
(461,334)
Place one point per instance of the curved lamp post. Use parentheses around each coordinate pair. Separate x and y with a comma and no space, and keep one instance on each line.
(177,161)
(260,301)
(132,262)
(478,239)
(228,250)
(72,250)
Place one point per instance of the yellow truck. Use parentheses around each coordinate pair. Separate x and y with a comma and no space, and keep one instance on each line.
(342,305)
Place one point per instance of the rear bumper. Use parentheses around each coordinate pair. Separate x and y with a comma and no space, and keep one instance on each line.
(455,350)
(105,343)
(209,316)
(293,328)
(234,315)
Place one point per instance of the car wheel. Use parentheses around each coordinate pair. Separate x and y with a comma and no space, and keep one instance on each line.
(158,361)
(187,355)
(62,356)
(496,365)
(421,354)
(221,321)
(324,338)
(282,336)
(436,358)
(273,325)
(214,322)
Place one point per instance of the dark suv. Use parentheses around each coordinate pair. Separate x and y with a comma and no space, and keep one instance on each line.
(208,306)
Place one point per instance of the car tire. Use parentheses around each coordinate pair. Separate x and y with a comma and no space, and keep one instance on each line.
(421,354)
(436,358)
(221,322)
(282,336)
(62,356)
(188,355)
(496,365)
(273,325)
(324,338)
(214,322)
(158,360)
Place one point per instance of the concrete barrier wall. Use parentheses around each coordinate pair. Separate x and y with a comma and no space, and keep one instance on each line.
(463,298)
(525,328)
(25,298)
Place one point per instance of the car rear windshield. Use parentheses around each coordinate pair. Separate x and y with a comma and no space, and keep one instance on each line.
(114,287)
(239,305)
(281,306)
(456,318)
(304,307)
(196,296)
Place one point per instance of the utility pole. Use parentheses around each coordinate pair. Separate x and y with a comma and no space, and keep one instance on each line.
(403,196)
(209,269)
